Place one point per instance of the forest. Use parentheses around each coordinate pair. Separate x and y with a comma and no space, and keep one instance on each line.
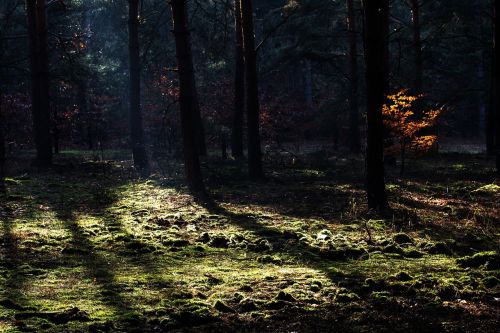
(249,166)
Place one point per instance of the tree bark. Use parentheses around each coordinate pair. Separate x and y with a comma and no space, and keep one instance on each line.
(137,133)
(308,83)
(354,134)
(39,69)
(496,80)
(239,87)
(417,42)
(376,57)
(2,145)
(252,89)
(187,96)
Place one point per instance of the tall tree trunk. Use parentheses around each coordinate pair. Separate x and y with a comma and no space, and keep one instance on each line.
(376,54)
(417,42)
(252,89)
(55,130)
(2,144)
(137,132)
(496,80)
(308,83)
(239,87)
(354,135)
(187,96)
(39,68)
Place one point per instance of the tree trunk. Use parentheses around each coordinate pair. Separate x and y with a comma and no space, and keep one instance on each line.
(37,33)
(239,87)
(187,98)
(55,130)
(136,129)
(376,55)
(417,42)
(496,80)
(308,84)
(2,145)
(252,89)
(354,135)
(403,157)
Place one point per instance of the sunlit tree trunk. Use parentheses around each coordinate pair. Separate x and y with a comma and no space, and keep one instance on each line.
(252,89)
(137,132)
(187,98)
(39,69)
(239,87)
(376,54)
(354,135)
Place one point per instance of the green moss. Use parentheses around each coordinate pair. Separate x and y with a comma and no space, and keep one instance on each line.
(402,238)
(347,297)
(143,255)
(491,281)
(403,276)
(490,259)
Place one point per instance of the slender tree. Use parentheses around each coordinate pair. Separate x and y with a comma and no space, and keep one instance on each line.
(187,98)
(2,145)
(137,132)
(252,92)
(239,86)
(354,135)
(376,14)
(39,69)
(417,44)
(496,80)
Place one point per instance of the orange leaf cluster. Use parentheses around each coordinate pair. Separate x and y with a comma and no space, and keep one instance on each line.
(400,119)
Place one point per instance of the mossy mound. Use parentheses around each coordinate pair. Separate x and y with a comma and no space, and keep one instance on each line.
(490,260)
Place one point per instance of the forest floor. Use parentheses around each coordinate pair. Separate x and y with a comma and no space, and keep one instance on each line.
(91,247)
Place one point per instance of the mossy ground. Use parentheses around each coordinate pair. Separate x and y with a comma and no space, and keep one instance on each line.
(91,247)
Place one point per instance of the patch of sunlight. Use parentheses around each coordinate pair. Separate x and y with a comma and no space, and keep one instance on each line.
(43,227)
(6,327)
(153,198)
(458,167)
(314,173)
(490,188)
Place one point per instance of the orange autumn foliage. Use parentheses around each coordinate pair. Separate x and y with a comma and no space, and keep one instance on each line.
(405,128)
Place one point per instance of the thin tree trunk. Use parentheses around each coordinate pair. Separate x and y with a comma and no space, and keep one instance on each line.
(187,96)
(2,145)
(55,130)
(496,80)
(403,157)
(308,83)
(354,134)
(417,42)
(137,132)
(37,33)
(253,108)
(376,55)
(239,87)
(490,114)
